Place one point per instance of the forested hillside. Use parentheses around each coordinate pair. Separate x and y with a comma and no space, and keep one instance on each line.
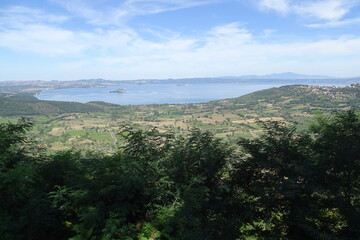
(284,184)
(25,105)
(298,99)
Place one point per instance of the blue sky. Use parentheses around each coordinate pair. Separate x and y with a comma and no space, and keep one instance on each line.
(137,39)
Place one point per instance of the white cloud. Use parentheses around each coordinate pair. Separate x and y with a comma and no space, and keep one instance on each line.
(145,7)
(330,10)
(41,39)
(83,9)
(227,50)
(18,16)
(280,6)
(126,9)
(331,13)
(268,32)
(332,24)
(233,32)
(122,53)
(54,41)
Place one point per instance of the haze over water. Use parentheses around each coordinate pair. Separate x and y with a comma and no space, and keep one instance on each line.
(160,93)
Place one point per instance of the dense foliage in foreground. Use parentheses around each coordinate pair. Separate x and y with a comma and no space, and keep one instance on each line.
(282,185)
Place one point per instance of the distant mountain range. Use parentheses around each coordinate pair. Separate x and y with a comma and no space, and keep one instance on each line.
(281,76)
(287,78)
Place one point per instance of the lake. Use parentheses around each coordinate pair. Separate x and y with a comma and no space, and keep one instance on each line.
(160,93)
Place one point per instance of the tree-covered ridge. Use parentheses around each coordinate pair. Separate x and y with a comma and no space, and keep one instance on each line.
(284,184)
(296,100)
(25,105)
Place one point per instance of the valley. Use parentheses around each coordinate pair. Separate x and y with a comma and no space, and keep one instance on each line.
(94,126)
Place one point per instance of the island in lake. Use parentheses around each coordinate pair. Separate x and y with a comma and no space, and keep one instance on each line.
(120,90)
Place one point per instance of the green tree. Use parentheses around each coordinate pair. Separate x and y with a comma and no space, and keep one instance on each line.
(197,167)
(275,174)
(337,146)
(25,211)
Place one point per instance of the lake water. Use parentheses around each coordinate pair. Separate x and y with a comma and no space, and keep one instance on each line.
(158,93)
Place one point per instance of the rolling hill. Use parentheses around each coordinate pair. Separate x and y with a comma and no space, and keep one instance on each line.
(25,105)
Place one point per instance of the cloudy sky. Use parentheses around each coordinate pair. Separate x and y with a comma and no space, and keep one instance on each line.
(135,39)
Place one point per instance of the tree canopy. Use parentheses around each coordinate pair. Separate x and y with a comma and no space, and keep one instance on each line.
(284,184)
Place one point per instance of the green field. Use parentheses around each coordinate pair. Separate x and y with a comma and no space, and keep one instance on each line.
(100,136)
(80,133)
(6,120)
